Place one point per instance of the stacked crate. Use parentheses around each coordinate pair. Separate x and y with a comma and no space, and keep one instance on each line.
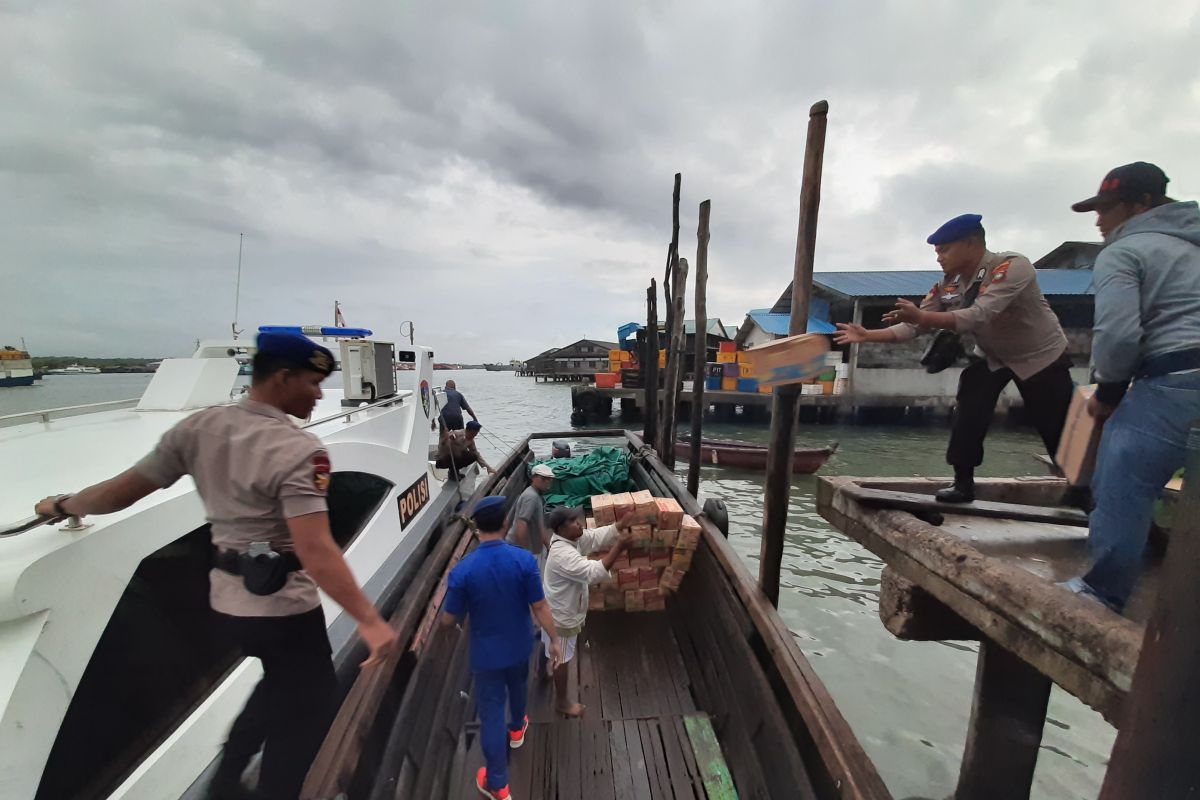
(727,357)
(659,557)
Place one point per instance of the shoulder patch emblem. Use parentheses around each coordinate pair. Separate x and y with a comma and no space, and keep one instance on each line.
(1000,273)
(321,470)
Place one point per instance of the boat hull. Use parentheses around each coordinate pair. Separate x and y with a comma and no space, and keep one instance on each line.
(25,380)
(805,461)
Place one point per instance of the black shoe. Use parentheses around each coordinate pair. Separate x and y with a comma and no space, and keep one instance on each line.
(958,493)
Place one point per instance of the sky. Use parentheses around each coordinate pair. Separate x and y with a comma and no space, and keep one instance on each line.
(500,173)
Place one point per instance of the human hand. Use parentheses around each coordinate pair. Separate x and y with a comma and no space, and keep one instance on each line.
(556,653)
(1099,411)
(380,638)
(45,508)
(491,470)
(905,311)
(849,333)
(625,538)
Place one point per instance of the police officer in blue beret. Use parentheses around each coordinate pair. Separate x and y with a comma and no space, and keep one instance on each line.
(995,298)
(263,482)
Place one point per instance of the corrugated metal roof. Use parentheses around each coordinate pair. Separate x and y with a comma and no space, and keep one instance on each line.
(914,283)
(777,324)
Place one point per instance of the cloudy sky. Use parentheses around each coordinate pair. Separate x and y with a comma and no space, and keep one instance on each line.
(500,173)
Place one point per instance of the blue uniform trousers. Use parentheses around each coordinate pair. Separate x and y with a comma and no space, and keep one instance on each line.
(495,689)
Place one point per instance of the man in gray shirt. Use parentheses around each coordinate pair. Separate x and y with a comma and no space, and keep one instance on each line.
(528,522)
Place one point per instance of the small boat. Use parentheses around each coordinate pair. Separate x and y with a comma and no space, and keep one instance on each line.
(708,698)
(805,460)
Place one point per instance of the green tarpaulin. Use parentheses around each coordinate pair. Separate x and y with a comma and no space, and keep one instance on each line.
(604,470)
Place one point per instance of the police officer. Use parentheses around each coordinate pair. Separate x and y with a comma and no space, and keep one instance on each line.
(263,482)
(1020,338)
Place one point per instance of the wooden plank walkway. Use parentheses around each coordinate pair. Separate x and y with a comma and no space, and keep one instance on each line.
(633,740)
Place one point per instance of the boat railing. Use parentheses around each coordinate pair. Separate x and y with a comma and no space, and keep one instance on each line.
(45,416)
(348,413)
(73,524)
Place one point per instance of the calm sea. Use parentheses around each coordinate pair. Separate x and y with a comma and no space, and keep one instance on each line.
(908,702)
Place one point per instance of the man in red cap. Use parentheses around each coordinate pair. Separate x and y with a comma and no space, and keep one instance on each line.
(994,297)
(1147,330)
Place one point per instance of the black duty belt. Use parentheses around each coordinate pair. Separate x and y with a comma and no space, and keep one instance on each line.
(230,561)
(1165,364)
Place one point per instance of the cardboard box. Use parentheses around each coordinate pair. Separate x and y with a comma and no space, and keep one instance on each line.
(614,600)
(682,559)
(602,509)
(660,557)
(634,601)
(628,578)
(670,513)
(789,360)
(596,600)
(621,563)
(643,535)
(647,578)
(689,532)
(622,505)
(1076,455)
(666,537)
(653,599)
(672,579)
(645,506)
(590,523)
(639,560)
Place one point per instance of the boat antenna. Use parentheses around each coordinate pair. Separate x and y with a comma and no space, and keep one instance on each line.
(237,292)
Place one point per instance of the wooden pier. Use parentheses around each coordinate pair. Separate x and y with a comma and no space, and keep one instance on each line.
(987,572)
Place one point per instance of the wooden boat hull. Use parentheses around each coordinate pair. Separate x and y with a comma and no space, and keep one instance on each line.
(805,461)
(710,695)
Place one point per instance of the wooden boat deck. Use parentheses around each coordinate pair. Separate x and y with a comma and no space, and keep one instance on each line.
(632,741)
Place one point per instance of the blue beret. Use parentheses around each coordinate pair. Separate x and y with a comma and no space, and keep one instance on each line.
(489,513)
(296,350)
(473,425)
(958,228)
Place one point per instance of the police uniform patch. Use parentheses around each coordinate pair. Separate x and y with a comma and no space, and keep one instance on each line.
(1000,273)
(321,470)
(937,287)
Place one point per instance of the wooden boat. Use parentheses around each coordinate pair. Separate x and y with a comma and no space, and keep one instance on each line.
(805,461)
(708,697)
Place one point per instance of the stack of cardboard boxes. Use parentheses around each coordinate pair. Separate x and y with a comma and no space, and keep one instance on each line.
(731,372)
(660,556)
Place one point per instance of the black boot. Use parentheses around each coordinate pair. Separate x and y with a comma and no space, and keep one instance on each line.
(963,490)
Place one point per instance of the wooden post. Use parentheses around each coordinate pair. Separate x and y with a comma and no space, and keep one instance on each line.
(1155,752)
(671,384)
(698,374)
(672,259)
(783,404)
(857,320)
(1005,732)
(650,364)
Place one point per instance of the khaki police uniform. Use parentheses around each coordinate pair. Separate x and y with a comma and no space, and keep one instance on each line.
(1019,338)
(254,470)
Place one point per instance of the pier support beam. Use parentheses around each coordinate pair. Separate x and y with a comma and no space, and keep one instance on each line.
(1005,732)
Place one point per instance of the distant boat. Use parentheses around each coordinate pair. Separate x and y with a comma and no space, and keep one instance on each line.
(16,368)
(74,369)
(498,367)
(805,461)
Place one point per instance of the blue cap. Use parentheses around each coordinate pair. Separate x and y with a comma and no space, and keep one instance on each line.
(473,425)
(958,228)
(489,513)
(296,350)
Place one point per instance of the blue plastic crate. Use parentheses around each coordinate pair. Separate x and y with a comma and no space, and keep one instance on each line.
(747,385)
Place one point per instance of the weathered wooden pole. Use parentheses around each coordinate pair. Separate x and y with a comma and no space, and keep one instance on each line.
(1155,752)
(650,365)
(672,255)
(671,384)
(698,375)
(783,404)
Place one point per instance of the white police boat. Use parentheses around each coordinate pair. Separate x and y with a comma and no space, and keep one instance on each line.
(113,683)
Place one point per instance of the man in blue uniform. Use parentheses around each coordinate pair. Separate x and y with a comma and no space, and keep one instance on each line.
(453,406)
(496,587)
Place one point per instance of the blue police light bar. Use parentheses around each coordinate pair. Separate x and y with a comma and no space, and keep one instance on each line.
(316,330)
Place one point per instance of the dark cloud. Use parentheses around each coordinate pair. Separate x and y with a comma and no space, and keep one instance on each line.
(515,160)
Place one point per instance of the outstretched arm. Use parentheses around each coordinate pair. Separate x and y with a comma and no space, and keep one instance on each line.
(114,494)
